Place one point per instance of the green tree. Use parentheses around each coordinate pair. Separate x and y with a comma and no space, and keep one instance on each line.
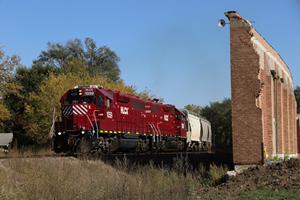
(97,60)
(297,95)
(17,93)
(219,115)
(31,78)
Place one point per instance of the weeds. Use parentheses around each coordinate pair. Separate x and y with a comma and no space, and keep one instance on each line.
(217,173)
(70,178)
(268,194)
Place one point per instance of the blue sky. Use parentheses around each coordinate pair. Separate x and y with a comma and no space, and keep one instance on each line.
(173,48)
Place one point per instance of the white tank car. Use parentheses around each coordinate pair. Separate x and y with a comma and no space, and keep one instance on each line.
(199,132)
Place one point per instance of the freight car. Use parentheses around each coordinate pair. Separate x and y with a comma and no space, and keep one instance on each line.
(94,119)
(198,132)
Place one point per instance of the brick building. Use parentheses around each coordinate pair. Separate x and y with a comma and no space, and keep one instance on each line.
(264,110)
(298,132)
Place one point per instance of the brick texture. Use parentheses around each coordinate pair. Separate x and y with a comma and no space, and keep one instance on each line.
(298,132)
(263,103)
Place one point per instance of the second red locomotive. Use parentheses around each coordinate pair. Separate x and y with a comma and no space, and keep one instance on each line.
(96,119)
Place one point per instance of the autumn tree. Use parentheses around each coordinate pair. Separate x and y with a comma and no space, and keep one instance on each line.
(7,66)
(4,116)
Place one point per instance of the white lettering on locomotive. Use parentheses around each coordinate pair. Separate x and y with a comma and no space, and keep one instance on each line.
(109,114)
(124,110)
(89,93)
(166,117)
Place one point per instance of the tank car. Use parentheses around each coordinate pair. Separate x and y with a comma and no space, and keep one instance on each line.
(94,119)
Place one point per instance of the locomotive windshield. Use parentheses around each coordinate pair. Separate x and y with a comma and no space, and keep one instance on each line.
(80,100)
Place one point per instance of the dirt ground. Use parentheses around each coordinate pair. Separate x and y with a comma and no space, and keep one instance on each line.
(274,176)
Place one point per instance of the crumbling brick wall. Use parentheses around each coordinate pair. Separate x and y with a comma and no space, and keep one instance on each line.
(263,103)
(298,132)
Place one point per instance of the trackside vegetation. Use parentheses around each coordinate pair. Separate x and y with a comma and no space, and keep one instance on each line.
(59,178)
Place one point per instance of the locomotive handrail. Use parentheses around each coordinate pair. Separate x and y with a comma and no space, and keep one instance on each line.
(160,139)
(155,129)
(94,113)
(159,132)
(90,122)
(152,127)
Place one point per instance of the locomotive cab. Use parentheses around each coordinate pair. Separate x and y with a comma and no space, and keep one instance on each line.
(77,114)
(77,109)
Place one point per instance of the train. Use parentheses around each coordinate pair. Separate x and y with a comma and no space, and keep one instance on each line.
(95,119)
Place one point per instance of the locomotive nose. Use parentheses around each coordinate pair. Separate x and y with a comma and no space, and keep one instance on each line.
(77,116)
(75,110)
(80,109)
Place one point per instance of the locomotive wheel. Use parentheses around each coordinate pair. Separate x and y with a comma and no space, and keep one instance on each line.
(181,146)
(58,144)
(142,145)
(84,146)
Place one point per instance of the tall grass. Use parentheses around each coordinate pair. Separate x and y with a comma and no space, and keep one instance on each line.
(70,178)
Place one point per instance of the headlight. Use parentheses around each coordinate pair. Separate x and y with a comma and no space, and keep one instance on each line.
(93,131)
(59,133)
(82,132)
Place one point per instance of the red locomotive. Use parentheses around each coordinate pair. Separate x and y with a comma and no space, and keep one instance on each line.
(96,119)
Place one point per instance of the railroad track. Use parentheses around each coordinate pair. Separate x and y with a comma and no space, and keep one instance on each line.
(193,159)
(32,156)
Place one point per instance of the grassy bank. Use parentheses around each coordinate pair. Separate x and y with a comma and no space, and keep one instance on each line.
(70,178)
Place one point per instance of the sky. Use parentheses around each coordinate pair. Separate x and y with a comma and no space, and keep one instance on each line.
(173,48)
